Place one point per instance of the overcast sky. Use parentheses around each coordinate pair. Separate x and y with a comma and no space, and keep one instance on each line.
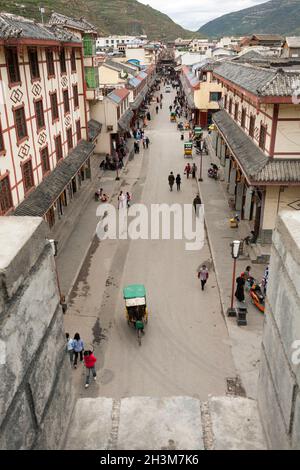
(192,14)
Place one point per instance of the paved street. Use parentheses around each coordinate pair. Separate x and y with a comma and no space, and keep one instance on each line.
(186,348)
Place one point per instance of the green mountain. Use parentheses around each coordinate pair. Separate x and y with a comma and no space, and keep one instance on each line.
(110,16)
(275,16)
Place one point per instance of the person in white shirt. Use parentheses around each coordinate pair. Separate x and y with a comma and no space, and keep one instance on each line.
(70,347)
(203,276)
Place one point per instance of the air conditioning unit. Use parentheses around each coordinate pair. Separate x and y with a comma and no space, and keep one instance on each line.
(110,128)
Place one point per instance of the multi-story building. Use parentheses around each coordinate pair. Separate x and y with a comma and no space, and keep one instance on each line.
(258,142)
(202,46)
(118,42)
(291,47)
(44,148)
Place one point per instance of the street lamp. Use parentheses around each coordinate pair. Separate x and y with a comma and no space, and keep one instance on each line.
(235,251)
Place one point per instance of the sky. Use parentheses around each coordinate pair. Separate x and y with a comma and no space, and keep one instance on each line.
(192,14)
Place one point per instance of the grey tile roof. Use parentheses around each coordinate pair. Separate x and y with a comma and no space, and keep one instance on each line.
(121,67)
(124,121)
(81,24)
(139,99)
(293,41)
(17,27)
(256,165)
(94,129)
(46,193)
(260,81)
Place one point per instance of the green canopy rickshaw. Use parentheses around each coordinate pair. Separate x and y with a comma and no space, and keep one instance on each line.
(136,308)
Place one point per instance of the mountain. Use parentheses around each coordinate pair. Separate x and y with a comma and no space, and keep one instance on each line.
(275,16)
(110,16)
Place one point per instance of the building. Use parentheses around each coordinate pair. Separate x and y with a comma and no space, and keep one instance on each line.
(118,42)
(228,42)
(267,40)
(44,143)
(291,47)
(202,46)
(113,74)
(220,52)
(180,43)
(258,142)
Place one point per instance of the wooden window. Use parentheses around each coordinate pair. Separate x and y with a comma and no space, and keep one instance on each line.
(73,61)
(58,148)
(33,63)
(62,60)
(12,64)
(28,180)
(54,106)
(252,126)
(45,162)
(39,114)
(230,106)
(70,138)
(262,136)
(6,202)
(76,97)
(243,118)
(236,111)
(66,101)
(78,130)
(215,96)
(2,147)
(20,120)
(50,63)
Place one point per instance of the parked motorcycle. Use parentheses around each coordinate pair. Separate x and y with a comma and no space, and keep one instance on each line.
(257,296)
(213,171)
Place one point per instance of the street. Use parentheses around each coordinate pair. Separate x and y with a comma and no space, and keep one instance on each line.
(186,349)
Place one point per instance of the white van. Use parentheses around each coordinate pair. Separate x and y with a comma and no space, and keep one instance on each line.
(168,89)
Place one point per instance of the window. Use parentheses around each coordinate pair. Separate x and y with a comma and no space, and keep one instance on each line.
(262,136)
(66,101)
(73,61)
(54,106)
(33,63)
(27,176)
(230,106)
(6,202)
(2,148)
(215,96)
(39,114)
(243,118)
(12,64)
(69,138)
(78,130)
(20,120)
(58,148)
(62,60)
(236,111)
(75,94)
(45,160)
(252,126)
(225,102)
(50,63)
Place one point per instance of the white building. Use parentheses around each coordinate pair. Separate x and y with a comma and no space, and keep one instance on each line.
(202,46)
(118,42)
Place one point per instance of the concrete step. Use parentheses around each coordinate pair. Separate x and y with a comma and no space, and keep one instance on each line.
(259,254)
(172,423)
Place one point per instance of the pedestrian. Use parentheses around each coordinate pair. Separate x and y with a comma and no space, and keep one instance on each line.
(178,182)
(144,142)
(170,107)
(171,180)
(89,362)
(128,199)
(265,280)
(149,116)
(135,146)
(196,204)
(147,142)
(187,170)
(160,105)
(157,99)
(122,201)
(78,349)
(70,347)
(194,170)
(156,109)
(203,276)
(239,293)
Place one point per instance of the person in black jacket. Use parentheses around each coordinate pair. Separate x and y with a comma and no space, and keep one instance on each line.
(171,180)
(240,284)
(178,182)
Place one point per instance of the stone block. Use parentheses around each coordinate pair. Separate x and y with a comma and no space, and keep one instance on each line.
(59,410)
(22,240)
(46,366)
(18,431)
(269,409)
(25,326)
(282,377)
(296,425)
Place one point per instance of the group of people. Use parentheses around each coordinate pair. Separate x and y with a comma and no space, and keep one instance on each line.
(112,163)
(139,135)
(101,196)
(159,102)
(246,280)
(187,171)
(75,349)
(124,200)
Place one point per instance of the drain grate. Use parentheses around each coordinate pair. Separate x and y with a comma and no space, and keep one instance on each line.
(235,387)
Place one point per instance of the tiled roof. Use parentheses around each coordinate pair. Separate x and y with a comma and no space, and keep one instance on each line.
(80,24)
(256,165)
(124,121)
(293,41)
(134,82)
(46,193)
(192,79)
(138,101)
(118,95)
(94,129)
(120,67)
(268,37)
(260,81)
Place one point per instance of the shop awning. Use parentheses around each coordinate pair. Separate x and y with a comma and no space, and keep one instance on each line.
(188,94)
(94,129)
(138,101)
(43,197)
(124,121)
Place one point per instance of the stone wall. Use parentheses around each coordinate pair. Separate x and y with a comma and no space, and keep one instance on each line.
(36,396)
(279,395)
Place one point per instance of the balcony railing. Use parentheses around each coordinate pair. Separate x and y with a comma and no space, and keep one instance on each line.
(92,77)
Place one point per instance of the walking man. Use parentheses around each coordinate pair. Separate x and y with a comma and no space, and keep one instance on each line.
(171,180)
(89,362)
(194,169)
(187,170)
(147,142)
(203,276)
(196,204)
(178,182)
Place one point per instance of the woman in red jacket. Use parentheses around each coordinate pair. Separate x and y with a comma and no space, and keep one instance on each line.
(89,362)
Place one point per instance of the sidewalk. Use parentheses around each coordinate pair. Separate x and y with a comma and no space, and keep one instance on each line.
(245,340)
